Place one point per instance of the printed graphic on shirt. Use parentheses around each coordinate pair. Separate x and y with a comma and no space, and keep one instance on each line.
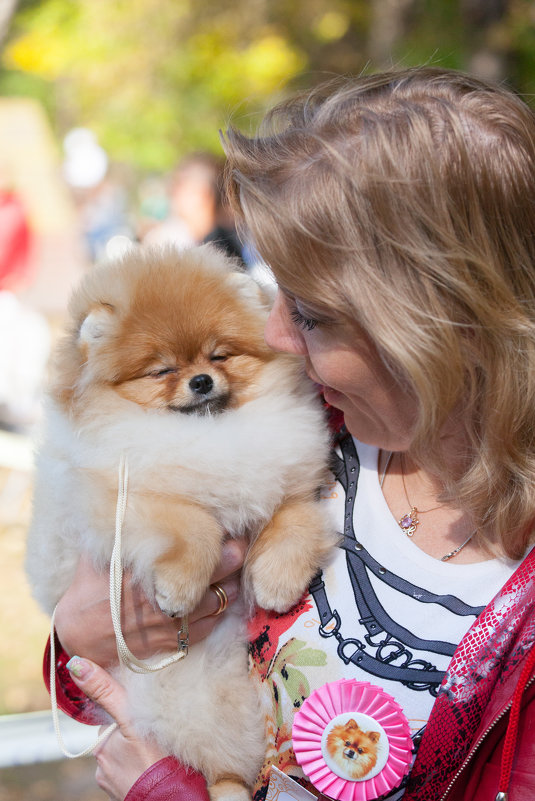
(354,623)
(387,649)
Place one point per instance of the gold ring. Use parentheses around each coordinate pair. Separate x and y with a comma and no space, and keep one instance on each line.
(222,598)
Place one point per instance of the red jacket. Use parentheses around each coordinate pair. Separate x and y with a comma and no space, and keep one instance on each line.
(480,738)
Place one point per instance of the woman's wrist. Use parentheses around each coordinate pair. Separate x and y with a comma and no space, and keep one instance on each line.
(168,779)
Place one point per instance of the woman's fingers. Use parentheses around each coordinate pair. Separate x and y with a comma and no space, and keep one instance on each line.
(232,557)
(83,620)
(211,602)
(122,757)
(102,688)
(226,576)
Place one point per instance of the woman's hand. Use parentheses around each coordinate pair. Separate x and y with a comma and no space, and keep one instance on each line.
(83,619)
(122,757)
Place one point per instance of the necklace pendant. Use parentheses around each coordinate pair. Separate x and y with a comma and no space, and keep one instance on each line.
(408,522)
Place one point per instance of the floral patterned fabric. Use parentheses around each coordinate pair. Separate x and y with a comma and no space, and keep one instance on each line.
(282,683)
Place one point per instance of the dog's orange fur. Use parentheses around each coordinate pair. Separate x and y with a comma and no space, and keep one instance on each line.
(161,341)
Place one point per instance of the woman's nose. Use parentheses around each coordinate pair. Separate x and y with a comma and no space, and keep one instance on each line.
(280,332)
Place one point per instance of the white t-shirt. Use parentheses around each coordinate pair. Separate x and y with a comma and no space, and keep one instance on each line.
(394,614)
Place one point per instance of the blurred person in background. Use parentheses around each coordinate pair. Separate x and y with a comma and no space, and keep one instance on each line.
(99,196)
(24,333)
(16,240)
(198,213)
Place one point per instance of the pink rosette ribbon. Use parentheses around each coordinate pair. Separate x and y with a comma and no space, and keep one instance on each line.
(352,740)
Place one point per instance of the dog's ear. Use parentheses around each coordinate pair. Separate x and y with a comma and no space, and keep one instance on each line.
(374,736)
(99,324)
(352,724)
(249,289)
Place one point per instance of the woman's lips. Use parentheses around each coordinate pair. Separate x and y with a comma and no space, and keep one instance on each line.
(331,395)
(328,393)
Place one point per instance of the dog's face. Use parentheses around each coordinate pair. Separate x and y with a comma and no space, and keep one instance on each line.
(353,750)
(170,332)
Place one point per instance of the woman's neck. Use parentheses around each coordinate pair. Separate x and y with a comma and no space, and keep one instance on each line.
(414,497)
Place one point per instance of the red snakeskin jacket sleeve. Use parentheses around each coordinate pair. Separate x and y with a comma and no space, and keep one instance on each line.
(168,780)
(480,738)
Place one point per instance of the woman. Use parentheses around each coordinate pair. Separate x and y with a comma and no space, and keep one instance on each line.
(396,212)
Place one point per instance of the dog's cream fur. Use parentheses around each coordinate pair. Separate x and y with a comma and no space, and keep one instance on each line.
(250,468)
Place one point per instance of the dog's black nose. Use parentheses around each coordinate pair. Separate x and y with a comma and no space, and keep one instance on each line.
(201,384)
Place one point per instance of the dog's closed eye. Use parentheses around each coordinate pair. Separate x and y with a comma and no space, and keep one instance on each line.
(162,372)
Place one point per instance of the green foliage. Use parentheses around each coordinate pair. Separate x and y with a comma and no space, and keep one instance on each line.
(158,78)
(421,45)
(153,79)
(521,46)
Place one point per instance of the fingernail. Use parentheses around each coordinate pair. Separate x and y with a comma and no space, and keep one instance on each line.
(78,667)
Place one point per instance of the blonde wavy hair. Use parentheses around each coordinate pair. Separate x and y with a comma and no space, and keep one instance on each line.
(405,202)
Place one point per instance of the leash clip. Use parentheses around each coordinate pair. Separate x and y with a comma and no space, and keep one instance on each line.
(183,637)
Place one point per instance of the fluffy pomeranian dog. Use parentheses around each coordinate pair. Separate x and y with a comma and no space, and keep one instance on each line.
(165,362)
(352,749)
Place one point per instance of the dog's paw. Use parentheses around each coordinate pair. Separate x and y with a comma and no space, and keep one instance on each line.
(287,554)
(229,790)
(278,591)
(169,606)
(282,603)
(175,596)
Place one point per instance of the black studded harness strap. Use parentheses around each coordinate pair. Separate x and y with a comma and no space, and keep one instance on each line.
(391,642)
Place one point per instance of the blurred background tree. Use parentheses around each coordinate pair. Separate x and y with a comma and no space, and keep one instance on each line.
(157,78)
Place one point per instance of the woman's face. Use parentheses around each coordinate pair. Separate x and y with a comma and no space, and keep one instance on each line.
(344,360)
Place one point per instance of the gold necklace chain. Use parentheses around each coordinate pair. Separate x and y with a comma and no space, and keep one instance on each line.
(410,521)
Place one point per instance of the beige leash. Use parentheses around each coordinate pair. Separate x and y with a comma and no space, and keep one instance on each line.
(125,655)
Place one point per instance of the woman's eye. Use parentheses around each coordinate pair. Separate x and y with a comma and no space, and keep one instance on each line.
(307,323)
